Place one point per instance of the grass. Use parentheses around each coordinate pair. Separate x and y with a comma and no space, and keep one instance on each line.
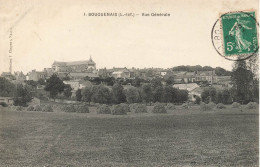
(227,137)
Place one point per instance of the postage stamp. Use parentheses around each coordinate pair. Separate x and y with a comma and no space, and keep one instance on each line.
(235,35)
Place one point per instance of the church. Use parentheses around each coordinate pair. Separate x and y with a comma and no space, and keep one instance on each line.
(74,66)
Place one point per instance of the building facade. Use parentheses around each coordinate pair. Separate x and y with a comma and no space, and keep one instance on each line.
(75,66)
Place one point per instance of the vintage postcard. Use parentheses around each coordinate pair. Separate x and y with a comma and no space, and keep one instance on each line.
(129,83)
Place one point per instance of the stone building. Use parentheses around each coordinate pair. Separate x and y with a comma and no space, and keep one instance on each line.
(74,66)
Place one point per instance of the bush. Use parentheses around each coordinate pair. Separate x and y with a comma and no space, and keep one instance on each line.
(252,105)
(197,100)
(103,109)
(205,107)
(47,108)
(159,108)
(118,110)
(211,105)
(125,107)
(141,108)
(3,104)
(133,107)
(170,106)
(18,108)
(30,108)
(69,108)
(220,106)
(185,105)
(236,105)
(37,108)
(81,108)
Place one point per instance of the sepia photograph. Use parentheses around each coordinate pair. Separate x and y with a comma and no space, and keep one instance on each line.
(120,83)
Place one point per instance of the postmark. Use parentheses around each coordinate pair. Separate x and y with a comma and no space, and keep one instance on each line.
(235,36)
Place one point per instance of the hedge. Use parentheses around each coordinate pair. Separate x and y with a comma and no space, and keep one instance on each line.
(118,110)
(141,108)
(103,109)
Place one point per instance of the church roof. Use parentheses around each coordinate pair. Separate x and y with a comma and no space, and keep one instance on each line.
(71,63)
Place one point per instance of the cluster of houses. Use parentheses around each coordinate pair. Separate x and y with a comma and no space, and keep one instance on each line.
(76,71)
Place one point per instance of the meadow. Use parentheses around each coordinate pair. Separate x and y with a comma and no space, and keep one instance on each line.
(182,137)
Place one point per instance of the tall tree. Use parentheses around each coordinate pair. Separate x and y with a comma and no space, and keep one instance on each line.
(6,87)
(67,91)
(87,94)
(78,95)
(22,95)
(118,94)
(242,81)
(147,94)
(132,95)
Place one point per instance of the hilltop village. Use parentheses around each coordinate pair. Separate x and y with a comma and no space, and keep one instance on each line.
(79,74)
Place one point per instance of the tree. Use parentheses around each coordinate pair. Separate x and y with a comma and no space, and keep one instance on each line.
(226,97)
(197,100)
(117,93)
(182,96)
(101,94)
(168,94)
(54,85)
(78,95)
(136,82)
(6,87)
(158,94)
(31,83)
(87,94)
(169,80)
(22,95)
(67,91)
(146,92)
(243,83)
(219,98)
(132,95)
(41,81)
(209,94)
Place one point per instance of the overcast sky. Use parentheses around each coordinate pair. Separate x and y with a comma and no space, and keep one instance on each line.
(44,31)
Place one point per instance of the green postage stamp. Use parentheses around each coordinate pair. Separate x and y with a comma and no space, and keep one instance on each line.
(239,33)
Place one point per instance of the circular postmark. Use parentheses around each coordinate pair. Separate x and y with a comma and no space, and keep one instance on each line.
(235,35)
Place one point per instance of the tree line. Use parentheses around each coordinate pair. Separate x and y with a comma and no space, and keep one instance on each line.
(117,94)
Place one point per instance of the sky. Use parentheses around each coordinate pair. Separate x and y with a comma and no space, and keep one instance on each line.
(45,31)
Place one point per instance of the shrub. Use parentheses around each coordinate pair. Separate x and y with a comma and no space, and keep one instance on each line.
(30,108)
(236,105)
(220,106)
(205,107)
(37,108)
(251,105)
(47,108)
(197,100)
(141,108)
(103,109)
(18,108)
(159,108)
(81,108)
(125,107)
(170,106)
(185,105)
(211,105)
(69,108)
(3,104)
(133,107)
(118,110)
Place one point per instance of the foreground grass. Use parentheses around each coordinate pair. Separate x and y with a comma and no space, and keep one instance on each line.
(180,138)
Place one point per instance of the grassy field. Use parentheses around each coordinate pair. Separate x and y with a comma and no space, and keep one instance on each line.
(179,138)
